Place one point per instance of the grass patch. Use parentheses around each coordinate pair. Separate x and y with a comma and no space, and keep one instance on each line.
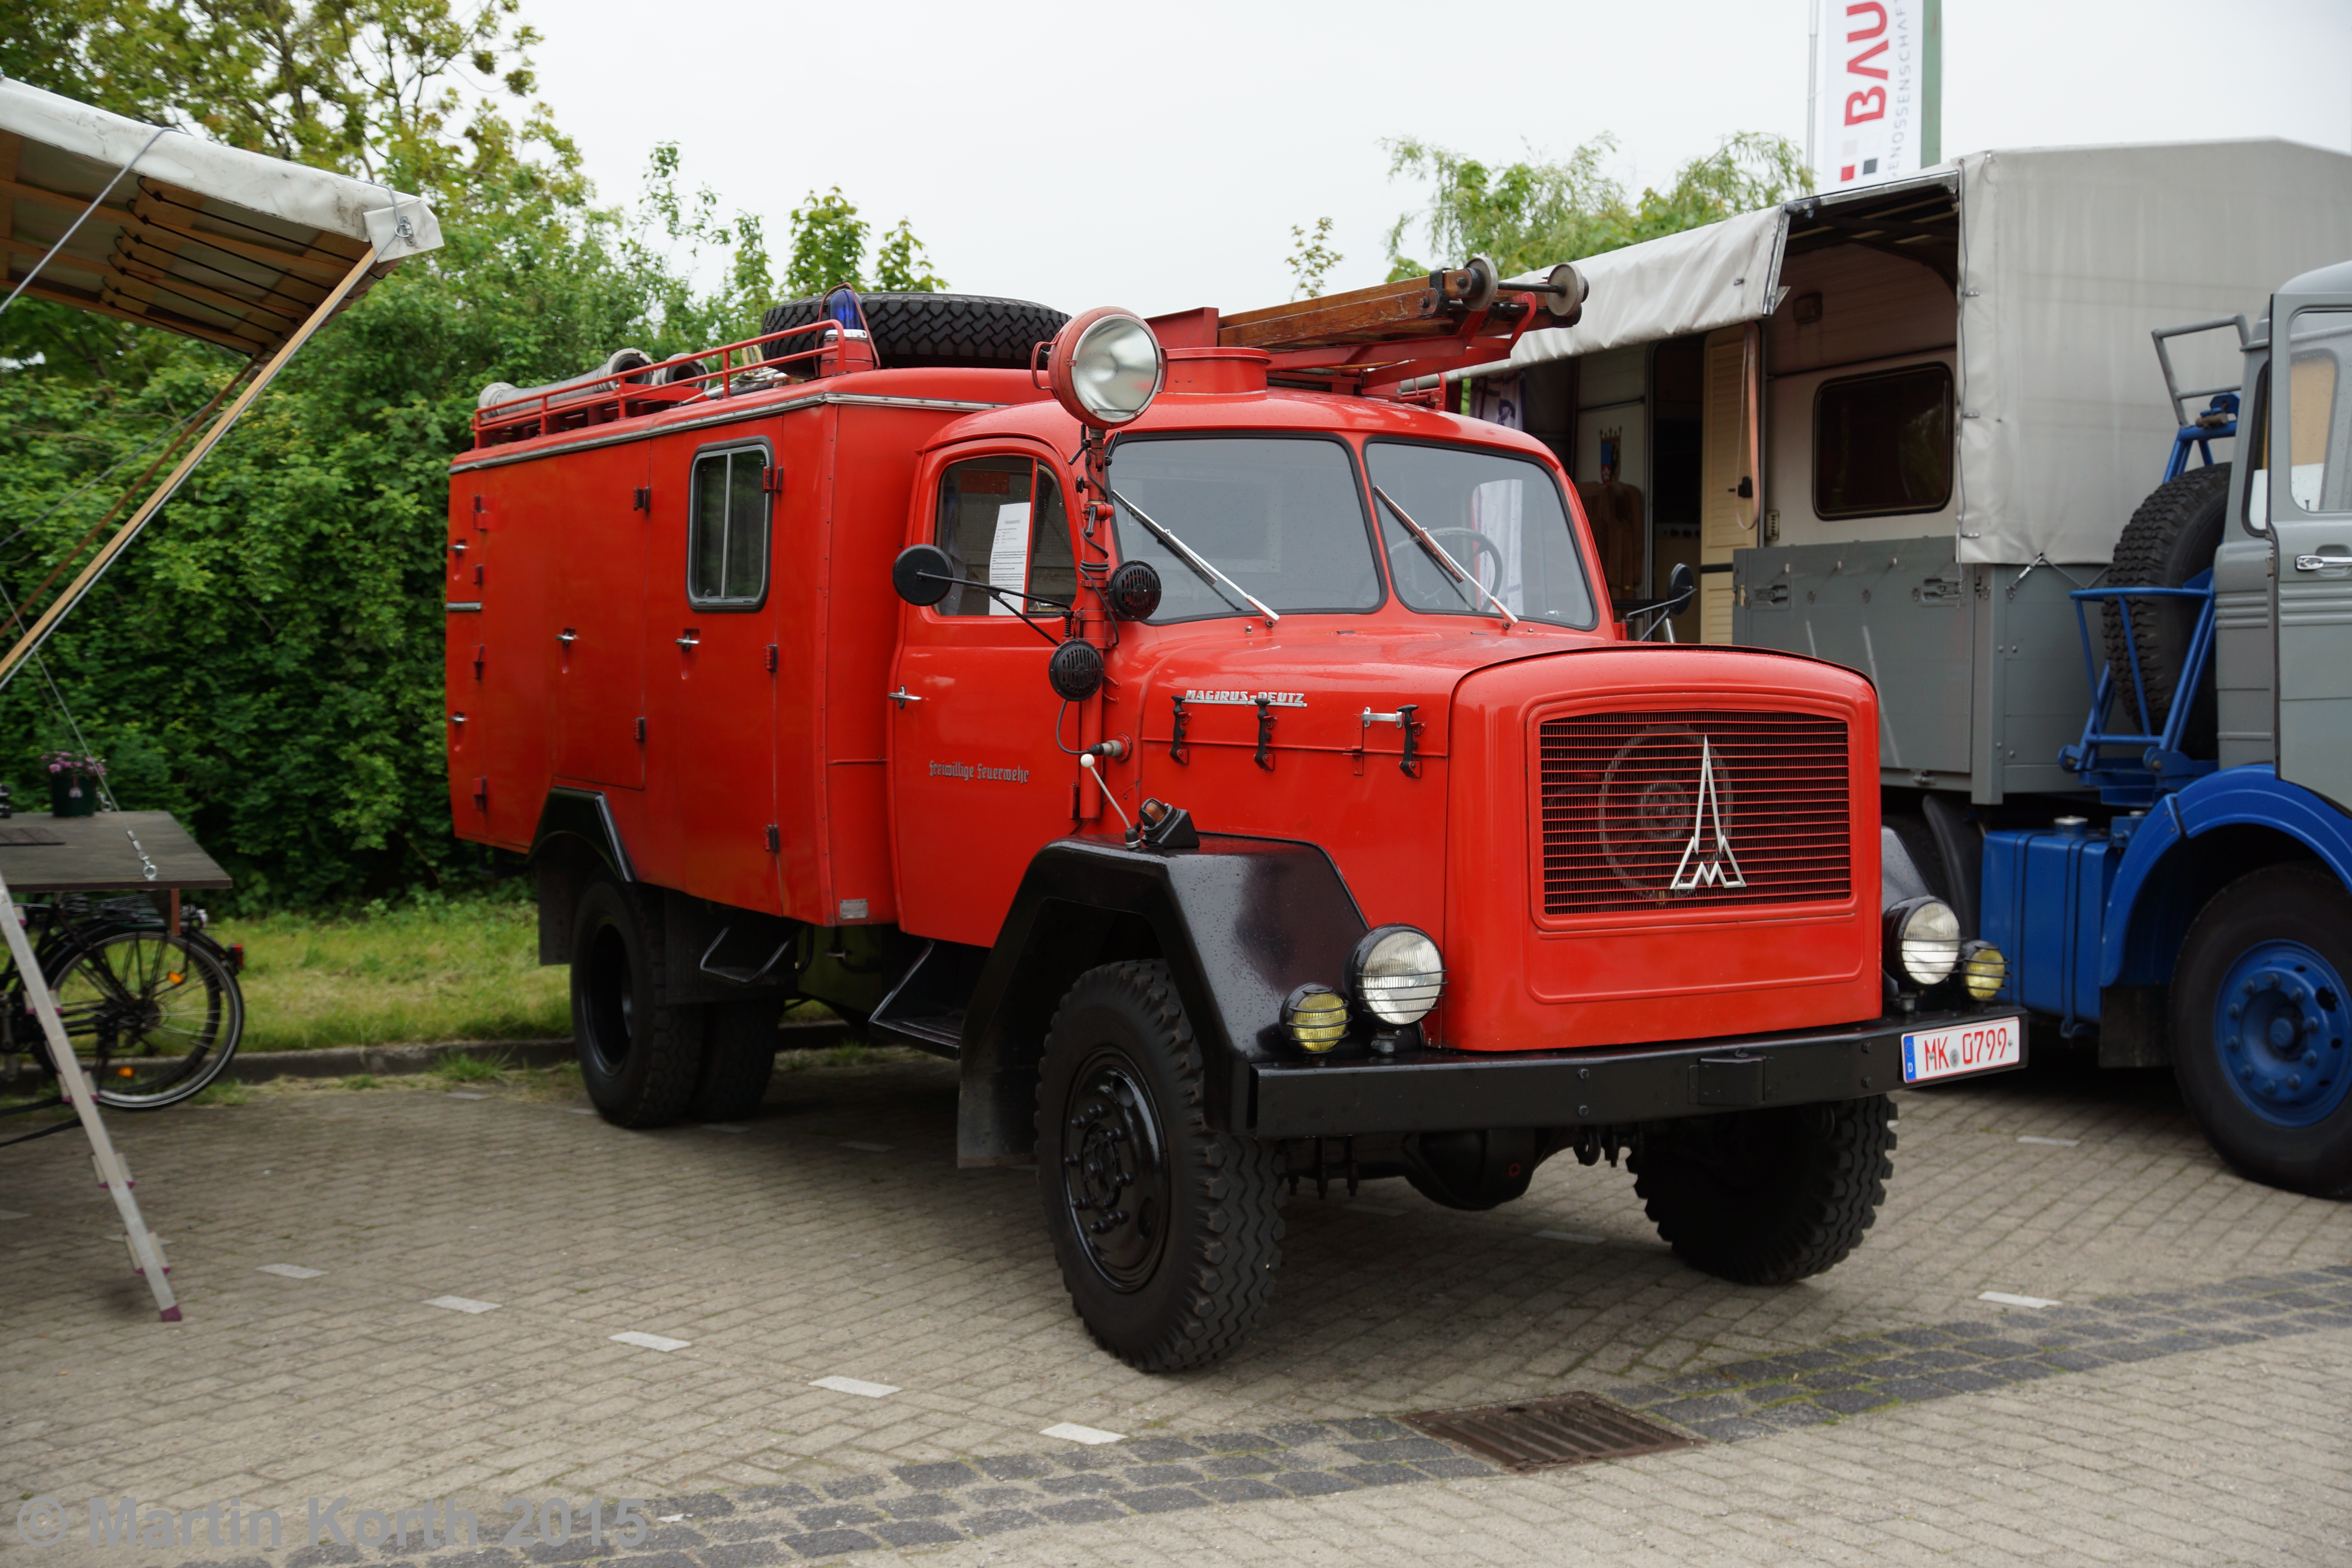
(471,1070)
(223,1091)
(432,970)
(360,1081)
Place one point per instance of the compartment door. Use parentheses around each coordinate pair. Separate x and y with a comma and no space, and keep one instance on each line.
(2305,485)
(596,651)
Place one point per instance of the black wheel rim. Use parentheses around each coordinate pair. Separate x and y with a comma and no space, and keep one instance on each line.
(610,1003)
(1114,1177)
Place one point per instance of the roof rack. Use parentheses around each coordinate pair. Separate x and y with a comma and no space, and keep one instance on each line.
(1374,339)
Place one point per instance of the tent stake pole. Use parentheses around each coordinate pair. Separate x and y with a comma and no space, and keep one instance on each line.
(39,632)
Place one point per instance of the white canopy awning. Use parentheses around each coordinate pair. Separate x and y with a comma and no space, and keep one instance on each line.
(1695,281)
(237,249)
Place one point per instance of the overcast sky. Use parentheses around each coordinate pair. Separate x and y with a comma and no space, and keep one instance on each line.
(1156,157)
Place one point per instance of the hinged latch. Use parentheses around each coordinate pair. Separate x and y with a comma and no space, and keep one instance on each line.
(775,840)
(1264,757)
(772,479)
(645,500)
(1178,752)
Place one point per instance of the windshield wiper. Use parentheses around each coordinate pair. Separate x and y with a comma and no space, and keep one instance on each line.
(1191,558)
(1437,552)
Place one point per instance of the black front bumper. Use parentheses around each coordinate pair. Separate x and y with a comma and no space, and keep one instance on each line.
(1441,1091)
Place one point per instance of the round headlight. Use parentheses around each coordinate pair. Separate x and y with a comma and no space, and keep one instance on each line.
(1395,976)
(1106,367)
(1924,937)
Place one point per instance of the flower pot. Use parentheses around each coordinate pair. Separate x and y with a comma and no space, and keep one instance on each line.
(72,795)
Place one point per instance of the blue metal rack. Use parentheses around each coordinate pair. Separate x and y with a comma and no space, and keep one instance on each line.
(2160,765)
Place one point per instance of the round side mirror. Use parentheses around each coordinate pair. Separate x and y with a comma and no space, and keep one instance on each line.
(1680,583)
(1075,670)
(922,574)
(1133,591)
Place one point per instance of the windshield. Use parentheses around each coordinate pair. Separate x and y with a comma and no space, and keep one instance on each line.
(1283,518)
(1501,520)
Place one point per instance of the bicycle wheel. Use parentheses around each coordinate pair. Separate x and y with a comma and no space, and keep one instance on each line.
(153,1017)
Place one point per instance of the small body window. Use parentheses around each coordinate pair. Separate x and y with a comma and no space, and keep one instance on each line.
(1001,522)
(726,537)
(1883,443)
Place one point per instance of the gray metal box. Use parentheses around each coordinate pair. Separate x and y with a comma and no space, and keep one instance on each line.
(1978,667)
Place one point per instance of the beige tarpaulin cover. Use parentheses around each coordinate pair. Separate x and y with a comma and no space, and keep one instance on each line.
(233,247)
(2070,257)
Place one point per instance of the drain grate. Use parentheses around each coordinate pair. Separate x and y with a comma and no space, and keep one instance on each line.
(1537,1434)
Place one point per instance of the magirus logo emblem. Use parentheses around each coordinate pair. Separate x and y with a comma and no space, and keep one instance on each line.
(1707,864)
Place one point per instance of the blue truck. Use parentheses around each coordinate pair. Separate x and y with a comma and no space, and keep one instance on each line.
(2199,911)
(1900,426)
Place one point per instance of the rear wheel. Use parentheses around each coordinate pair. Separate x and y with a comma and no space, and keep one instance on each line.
(153,1017)
(1767,1197)
(1166,1231)
(2261,1015)
(738,1061)
(639,1057)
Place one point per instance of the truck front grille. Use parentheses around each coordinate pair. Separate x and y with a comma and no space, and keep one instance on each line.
(1642,811)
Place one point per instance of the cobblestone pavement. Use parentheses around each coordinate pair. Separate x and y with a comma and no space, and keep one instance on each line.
(2187,1401)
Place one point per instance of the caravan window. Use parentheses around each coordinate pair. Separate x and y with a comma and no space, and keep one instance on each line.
(1883,443)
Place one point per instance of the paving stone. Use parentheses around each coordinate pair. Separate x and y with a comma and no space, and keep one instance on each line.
(838,1514)
(1163,1499)
(998,1521)
(828,1543)
(932,1478)
(740,1554)
(1238,1489)
(1231,1465)
(928,1505)
(1914,1389)
(1378,1474)
(1312,1483)
(1851,1401)
(1017,1466)
(1066,1486)
(1082,1511)
(1161,1448)
(1160,1475)
(917,1532)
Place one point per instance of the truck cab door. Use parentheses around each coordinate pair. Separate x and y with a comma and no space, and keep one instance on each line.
(2305,488)
(977,782)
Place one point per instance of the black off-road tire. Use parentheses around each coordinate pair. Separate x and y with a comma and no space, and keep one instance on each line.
(953,330)
(1184,1272)
(2304,906)
(738,1060)
(639,1058)
(2171,539)
(1767,1197)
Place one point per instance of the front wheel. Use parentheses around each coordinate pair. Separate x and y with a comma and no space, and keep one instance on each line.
(1165,1230)
(2260,1016)
(1768,1197)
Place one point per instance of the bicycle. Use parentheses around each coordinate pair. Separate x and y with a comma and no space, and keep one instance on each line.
(154,1016)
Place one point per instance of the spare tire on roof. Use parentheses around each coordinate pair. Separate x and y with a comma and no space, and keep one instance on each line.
(964,330)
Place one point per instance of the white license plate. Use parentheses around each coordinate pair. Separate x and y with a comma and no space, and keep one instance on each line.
(1967,1049)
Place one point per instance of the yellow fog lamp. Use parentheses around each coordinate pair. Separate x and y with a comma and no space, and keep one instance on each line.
(1315,1017)
(1983,970)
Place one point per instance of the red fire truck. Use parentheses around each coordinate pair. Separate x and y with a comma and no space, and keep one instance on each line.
(1227,757)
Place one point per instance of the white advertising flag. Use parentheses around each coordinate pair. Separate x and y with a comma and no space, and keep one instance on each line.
(1870,119)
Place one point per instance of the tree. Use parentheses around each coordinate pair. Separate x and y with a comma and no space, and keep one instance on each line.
(829,250)
(1531,213)
(379,88)
(1311,258)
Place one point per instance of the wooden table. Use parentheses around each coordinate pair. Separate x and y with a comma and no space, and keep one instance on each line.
(45,854)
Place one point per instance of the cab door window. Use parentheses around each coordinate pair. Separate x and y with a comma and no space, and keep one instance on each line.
(1001,522)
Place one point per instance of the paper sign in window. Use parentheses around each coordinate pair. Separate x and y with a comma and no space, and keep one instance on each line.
(1008,554)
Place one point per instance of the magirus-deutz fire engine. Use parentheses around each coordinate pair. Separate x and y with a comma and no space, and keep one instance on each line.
(1230,759)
